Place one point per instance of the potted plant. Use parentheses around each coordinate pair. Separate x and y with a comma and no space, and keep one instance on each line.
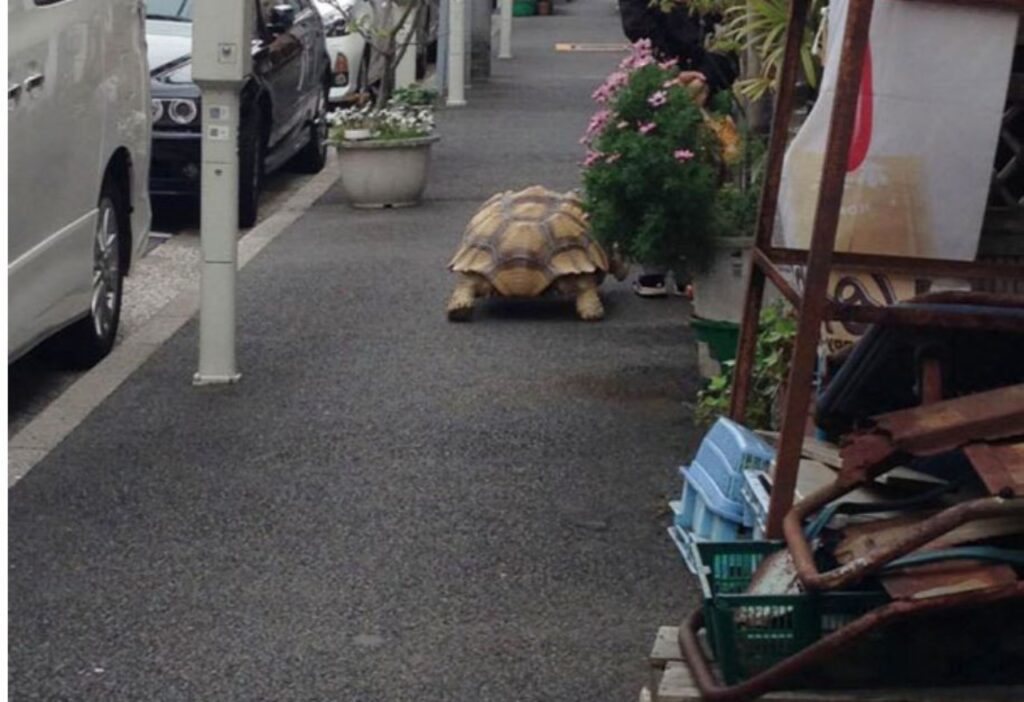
(383,153)
(656,160)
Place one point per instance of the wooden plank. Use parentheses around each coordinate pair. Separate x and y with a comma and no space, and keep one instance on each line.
(1001,467)
(861,539)
(666,647)
(680,687)
(940,579)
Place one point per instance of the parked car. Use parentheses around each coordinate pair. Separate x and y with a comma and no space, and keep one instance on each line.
(283,105)
(347,48)
(357,68)
(78,164)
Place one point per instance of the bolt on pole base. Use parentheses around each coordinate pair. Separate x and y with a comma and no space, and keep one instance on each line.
(199,380)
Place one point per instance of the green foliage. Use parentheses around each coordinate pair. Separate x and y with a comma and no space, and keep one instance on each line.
(653,170)
(759,26)
(771,367)
(415,96)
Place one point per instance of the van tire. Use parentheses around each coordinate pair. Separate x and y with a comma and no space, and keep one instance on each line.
(86,342)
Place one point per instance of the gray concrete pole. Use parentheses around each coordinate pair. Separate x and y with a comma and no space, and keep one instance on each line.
(505,34)
(457,53)
(480,40)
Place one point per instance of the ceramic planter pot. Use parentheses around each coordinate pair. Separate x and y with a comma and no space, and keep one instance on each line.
(384,173)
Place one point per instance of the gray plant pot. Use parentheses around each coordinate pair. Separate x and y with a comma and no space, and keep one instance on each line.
(384,173)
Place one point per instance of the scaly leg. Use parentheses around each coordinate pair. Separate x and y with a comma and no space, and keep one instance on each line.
(460,304)
(588,302)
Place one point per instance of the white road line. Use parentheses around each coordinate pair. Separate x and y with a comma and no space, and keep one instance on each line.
(40,436)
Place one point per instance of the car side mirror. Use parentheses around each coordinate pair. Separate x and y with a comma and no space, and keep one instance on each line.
(281,19)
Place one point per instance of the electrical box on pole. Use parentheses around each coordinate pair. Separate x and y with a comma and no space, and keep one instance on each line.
(222,34)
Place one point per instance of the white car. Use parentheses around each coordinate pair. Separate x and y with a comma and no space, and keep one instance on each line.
(78,164)
(349,52)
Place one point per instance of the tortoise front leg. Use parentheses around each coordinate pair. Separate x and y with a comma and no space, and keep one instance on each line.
(460,304)
(588,302)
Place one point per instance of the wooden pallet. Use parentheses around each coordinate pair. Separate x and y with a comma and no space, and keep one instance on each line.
(670,681)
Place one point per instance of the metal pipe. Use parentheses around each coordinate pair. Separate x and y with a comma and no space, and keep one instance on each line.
(505,30)
(915,536)
(819,268)
(784,103)
(782,673)
(456,53)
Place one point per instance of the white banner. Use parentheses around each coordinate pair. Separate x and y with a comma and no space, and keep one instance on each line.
(920,166)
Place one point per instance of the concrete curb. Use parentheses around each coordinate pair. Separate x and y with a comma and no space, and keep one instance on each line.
(44,433)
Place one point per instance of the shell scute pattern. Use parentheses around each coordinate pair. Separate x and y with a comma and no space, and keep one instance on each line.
(522,241)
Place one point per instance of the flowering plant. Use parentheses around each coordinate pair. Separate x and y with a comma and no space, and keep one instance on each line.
(655,161)
(397,120)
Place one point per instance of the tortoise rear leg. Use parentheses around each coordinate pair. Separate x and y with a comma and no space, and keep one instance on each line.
(467,290)
(588,302)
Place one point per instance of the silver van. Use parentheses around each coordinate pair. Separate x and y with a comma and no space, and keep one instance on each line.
(78,164)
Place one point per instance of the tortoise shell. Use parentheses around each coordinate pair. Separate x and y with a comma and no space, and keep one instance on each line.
(522,242)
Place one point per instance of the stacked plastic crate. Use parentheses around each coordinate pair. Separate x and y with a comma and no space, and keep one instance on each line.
(711,507)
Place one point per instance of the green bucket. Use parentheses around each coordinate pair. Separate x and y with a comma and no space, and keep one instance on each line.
(720,336)
(524,8)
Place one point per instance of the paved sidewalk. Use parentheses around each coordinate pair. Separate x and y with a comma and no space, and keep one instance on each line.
(388,507)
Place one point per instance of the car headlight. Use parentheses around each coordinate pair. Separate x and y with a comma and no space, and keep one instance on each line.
(338,28)
(183,111)
(156,110)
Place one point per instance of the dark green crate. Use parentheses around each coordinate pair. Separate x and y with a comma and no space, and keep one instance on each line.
(721,337)
(750,633)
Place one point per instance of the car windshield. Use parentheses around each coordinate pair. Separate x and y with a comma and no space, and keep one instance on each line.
(176,10)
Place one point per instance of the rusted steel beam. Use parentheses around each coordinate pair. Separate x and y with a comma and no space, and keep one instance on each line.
(819,260)
(773,274)
(899,315)
(782,673)
(949,424)
(905,265)
(784,102)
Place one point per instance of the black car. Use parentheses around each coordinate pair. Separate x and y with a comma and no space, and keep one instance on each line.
(283,105)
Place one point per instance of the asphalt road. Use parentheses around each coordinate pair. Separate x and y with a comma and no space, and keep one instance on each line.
(388,506)
(171,265)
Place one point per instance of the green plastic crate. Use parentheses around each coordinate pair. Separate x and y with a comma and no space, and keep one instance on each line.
(524,8)
(750,633)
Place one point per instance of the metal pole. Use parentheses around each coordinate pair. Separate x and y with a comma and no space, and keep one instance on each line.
(505,33)
(784,100)
(443,37)
(819,264)
(222,58)
(457,53)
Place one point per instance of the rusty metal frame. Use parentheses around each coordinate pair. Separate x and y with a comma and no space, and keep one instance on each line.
(813,305)
(782,673)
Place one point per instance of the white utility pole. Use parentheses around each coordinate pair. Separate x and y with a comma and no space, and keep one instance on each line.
(505,30)
(457,53)
(222,33)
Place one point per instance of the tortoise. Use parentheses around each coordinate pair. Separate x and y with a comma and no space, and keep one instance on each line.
(522,244)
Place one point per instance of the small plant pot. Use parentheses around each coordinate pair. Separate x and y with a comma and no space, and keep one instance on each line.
(380,173)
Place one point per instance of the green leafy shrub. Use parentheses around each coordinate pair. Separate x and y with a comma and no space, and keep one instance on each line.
(654,164)
(775,338)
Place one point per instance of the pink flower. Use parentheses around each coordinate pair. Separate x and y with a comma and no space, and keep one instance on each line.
(658,99)
(683,155)
(592,158)
(597,123)
(647,127)
(612,158)
(611,85)
(622,125)
(670,64)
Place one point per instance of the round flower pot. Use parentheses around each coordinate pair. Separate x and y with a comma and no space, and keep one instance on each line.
(384,172)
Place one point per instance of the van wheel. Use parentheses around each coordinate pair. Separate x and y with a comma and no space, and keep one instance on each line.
(86,342)
(313,156)
(250,167)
